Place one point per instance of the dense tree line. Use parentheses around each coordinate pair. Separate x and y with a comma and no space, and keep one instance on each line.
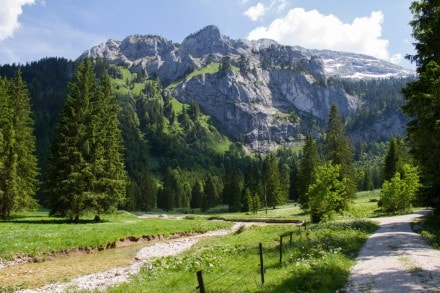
(46,81)
(167,155)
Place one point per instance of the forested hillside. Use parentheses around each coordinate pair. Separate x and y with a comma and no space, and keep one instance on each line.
(178,157)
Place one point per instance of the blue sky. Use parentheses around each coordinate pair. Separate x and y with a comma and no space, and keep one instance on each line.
(34,29)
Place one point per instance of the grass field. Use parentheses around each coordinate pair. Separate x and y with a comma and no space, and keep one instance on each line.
(318,260)
(37,235)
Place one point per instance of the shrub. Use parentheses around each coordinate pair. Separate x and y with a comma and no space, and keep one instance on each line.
(327,193)
(398,193)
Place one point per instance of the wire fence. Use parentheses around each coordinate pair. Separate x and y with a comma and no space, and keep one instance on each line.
(257,271)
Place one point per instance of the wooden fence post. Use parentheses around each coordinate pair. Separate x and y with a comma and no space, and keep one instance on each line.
(281,249)
(200,280)
(261,264)
(291,233)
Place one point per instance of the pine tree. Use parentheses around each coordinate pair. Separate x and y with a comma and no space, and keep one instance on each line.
(231,188)
(293,179)
(136,155)
(284,179)
(391,161)
(423,98)
(168,193)
(7,167)
(252,176)
(27,165)
(339,152)
(87,170)
(308,165)
(196,195)
(18,163)
(211,192)
(271,182)
(147,192)
(107,162)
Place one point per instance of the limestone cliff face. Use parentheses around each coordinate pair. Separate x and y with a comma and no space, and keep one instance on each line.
(266,93)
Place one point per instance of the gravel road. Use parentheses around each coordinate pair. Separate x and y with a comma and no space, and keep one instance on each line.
(395,259)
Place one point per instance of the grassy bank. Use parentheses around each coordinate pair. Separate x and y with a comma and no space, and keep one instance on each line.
(37,235)
(429,227)
(316,261)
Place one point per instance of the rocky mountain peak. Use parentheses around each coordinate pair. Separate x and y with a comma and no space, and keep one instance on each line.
(206,41)
(268,92)
(138,46)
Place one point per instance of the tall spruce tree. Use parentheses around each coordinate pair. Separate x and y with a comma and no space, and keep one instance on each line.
(147,196)
(232,192)
(108,168)
(210,192)
(18,163)
(339,152)
(391,161)
(86,171)
(272,190)
(293,179)
(423,98)
(196,195)
(7,167)
(308,165)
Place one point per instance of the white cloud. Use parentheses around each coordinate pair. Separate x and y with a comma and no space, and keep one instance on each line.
(313,30)
(9,12)
(282,5)
(396,58)
(255,12)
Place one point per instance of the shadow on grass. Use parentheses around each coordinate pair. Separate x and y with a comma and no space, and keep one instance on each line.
(58,221)
(326,277)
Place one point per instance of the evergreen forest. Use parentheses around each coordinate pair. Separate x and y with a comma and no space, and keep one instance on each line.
(169,155)
(88,136)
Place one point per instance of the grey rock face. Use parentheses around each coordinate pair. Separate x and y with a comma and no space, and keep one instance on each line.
(271,95)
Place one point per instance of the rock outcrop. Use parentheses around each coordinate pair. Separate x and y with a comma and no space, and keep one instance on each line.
(264,92)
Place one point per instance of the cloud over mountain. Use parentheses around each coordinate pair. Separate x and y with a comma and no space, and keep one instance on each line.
(312,29)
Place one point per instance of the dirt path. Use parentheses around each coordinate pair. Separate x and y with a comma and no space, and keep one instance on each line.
(103,280)
(395,259)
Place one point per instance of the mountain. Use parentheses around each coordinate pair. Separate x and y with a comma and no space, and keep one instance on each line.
(262,92)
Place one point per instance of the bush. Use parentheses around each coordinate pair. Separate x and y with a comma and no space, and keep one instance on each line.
(398,193)
(326,194)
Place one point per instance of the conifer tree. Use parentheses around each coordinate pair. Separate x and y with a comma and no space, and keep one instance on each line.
(87,171)
(18,163)
(423,98)
(196,195)
(8,188)
(271,182)
(210,192)
(339,152)
(293,179)
(231,188)
(308,165)
(106,155)
(284,179)
(167,194)
(147,196)
(392,160)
